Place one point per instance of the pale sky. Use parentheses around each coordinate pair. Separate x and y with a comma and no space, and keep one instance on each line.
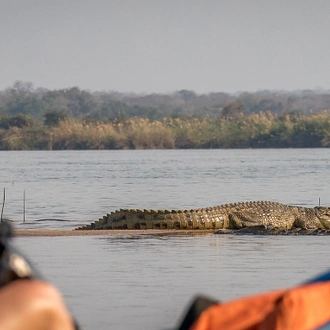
(161,46)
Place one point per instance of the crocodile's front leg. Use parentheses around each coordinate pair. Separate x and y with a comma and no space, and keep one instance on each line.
(238,220)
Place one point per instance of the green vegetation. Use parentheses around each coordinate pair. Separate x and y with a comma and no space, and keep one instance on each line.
(71,118)
(263,130)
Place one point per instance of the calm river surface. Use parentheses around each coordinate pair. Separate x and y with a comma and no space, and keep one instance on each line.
(144,282)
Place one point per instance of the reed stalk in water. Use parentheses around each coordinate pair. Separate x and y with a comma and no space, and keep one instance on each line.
(3,203)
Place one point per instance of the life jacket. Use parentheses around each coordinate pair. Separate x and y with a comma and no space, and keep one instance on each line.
(304,307)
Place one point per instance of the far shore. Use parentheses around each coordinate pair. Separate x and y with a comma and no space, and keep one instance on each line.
(60,232)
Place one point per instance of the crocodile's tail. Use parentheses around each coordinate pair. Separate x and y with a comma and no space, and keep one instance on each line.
(205,218)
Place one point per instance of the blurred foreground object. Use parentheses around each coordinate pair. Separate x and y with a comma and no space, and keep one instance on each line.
(27,300)
(304,307)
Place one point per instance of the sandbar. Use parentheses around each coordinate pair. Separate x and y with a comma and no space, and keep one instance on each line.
(62,232)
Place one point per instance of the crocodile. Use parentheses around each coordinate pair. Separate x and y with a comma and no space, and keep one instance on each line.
(266,216)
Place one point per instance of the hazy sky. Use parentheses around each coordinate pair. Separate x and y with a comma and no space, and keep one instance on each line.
(166,45)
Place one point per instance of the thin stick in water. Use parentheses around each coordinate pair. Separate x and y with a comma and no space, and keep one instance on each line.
(24,206)
(3,202)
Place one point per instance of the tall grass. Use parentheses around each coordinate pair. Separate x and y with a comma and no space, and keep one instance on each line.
(141,133)
(263,130)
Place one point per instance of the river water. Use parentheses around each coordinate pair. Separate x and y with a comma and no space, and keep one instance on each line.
(146,282)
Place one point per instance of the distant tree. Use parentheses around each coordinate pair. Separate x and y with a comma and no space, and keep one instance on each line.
(52,118)
(19,121)
(111,109)
(73,101)
(187,96)
(21,99)
(80,103)
(22,87)
(270,105)
(232,110)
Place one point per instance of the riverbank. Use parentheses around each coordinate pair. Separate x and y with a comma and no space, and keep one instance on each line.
(56,232)
(256,130)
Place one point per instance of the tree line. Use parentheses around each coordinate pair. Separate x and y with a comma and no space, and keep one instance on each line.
(22,98)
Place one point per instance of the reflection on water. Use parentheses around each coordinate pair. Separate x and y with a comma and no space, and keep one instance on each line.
(146,282)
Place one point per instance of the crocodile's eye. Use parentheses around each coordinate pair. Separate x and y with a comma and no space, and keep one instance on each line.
(321,210)
(324,211)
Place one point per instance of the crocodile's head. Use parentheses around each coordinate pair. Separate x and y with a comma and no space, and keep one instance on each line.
(323,214)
